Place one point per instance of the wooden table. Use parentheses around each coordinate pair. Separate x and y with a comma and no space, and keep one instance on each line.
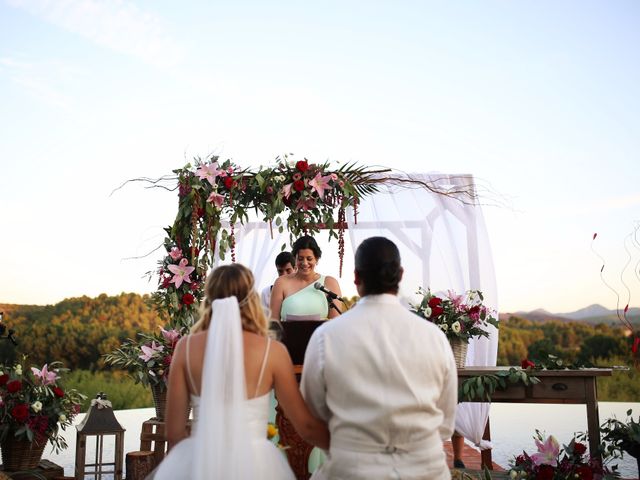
(556,386)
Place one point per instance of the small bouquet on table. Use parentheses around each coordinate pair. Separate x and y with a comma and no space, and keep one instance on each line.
(34,408)
(460,317)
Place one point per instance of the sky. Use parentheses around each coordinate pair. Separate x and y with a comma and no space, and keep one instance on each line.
(540,101)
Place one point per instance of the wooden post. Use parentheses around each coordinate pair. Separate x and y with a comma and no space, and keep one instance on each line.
(139,464)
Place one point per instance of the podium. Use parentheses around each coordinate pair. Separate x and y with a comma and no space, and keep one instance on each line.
(295,337)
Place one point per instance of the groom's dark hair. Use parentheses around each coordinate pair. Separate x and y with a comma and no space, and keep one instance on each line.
(377,262)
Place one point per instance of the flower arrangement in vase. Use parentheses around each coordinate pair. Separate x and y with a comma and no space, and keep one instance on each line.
(460,317)
(34,407)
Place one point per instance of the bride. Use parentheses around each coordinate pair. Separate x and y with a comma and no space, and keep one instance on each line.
(226,369)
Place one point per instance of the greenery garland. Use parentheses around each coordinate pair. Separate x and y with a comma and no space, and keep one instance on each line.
(482,387)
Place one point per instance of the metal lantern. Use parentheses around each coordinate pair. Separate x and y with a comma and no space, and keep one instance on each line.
(100,423)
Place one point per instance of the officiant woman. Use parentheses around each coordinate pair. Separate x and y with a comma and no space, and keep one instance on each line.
(296,295)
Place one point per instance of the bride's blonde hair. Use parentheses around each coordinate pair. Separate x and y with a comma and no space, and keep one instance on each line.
(233,280)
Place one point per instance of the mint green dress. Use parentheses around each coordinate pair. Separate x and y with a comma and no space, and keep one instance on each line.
(308,301)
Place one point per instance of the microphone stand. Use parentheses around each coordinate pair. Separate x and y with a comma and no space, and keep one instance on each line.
(333,305)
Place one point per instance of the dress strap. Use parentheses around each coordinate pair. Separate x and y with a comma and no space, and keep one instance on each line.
(264,364)
(189,374)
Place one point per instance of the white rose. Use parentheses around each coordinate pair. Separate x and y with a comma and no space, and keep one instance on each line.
(1,372)
(36,406)
(427,312)
(456,327)
(18,369)
(513,474)
(62,418)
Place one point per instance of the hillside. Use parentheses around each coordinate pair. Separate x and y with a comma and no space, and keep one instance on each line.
(76,331)
(593,314)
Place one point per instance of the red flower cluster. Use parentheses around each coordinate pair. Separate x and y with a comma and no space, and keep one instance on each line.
(298,185)
(14,386)
(526,363)
(188,299)
(568,463)
(20,412)
(302,165)
(435,304)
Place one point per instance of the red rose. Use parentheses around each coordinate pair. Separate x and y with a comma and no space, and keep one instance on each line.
(545,472)
(526,363)
(579,448)
(193,286)
(20,412)
(584,472)
(298,185)
(228,182)
(166,361)
(302,165)
(520,460)
(435,302)
(187,299)
(58,392)
(4,379)
(14,386)
(435,311)
(166,281)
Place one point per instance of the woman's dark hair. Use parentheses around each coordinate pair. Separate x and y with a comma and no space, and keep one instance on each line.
(377,262)
(306,242)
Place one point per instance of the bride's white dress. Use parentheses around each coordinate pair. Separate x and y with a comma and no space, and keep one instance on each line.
(271,463)
(228,432)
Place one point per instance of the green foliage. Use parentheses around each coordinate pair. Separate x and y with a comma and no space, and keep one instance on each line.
(121,391)
(77,331)
(574,343)
(483,387)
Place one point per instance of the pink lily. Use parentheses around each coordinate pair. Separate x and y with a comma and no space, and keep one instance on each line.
(455,299)
(216,199)
(320,183)
(175,253)
(547,452)
(209,172)
(286,190)
(306,204)
(181,272)
(148,352)
(45,375)
(171,336)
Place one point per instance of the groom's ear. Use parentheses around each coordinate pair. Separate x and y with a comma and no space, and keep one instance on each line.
(356,278)
(401,274)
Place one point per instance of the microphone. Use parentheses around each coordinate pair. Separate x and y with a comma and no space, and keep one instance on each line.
(329,293)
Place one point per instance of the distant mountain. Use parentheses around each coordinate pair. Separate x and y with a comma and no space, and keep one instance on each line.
(592,314)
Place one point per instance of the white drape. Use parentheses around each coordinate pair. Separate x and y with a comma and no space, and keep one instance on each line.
(443,245)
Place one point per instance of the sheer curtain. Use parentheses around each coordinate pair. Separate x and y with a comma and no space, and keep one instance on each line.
(443,245)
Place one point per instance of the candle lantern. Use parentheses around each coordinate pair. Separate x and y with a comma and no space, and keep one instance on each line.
(99,427)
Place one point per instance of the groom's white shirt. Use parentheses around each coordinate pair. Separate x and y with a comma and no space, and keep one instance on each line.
(385,380)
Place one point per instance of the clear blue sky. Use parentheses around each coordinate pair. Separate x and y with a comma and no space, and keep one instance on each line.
(541,100)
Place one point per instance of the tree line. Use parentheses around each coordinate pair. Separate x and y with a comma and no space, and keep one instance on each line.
(78,331)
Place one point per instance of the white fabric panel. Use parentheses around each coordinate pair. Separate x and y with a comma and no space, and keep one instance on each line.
(443,245)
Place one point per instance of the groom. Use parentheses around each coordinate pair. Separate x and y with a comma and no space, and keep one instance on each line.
(384,379)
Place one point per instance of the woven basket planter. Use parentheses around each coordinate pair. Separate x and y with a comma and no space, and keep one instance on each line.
(459,348)
(21,454)
(159,394)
